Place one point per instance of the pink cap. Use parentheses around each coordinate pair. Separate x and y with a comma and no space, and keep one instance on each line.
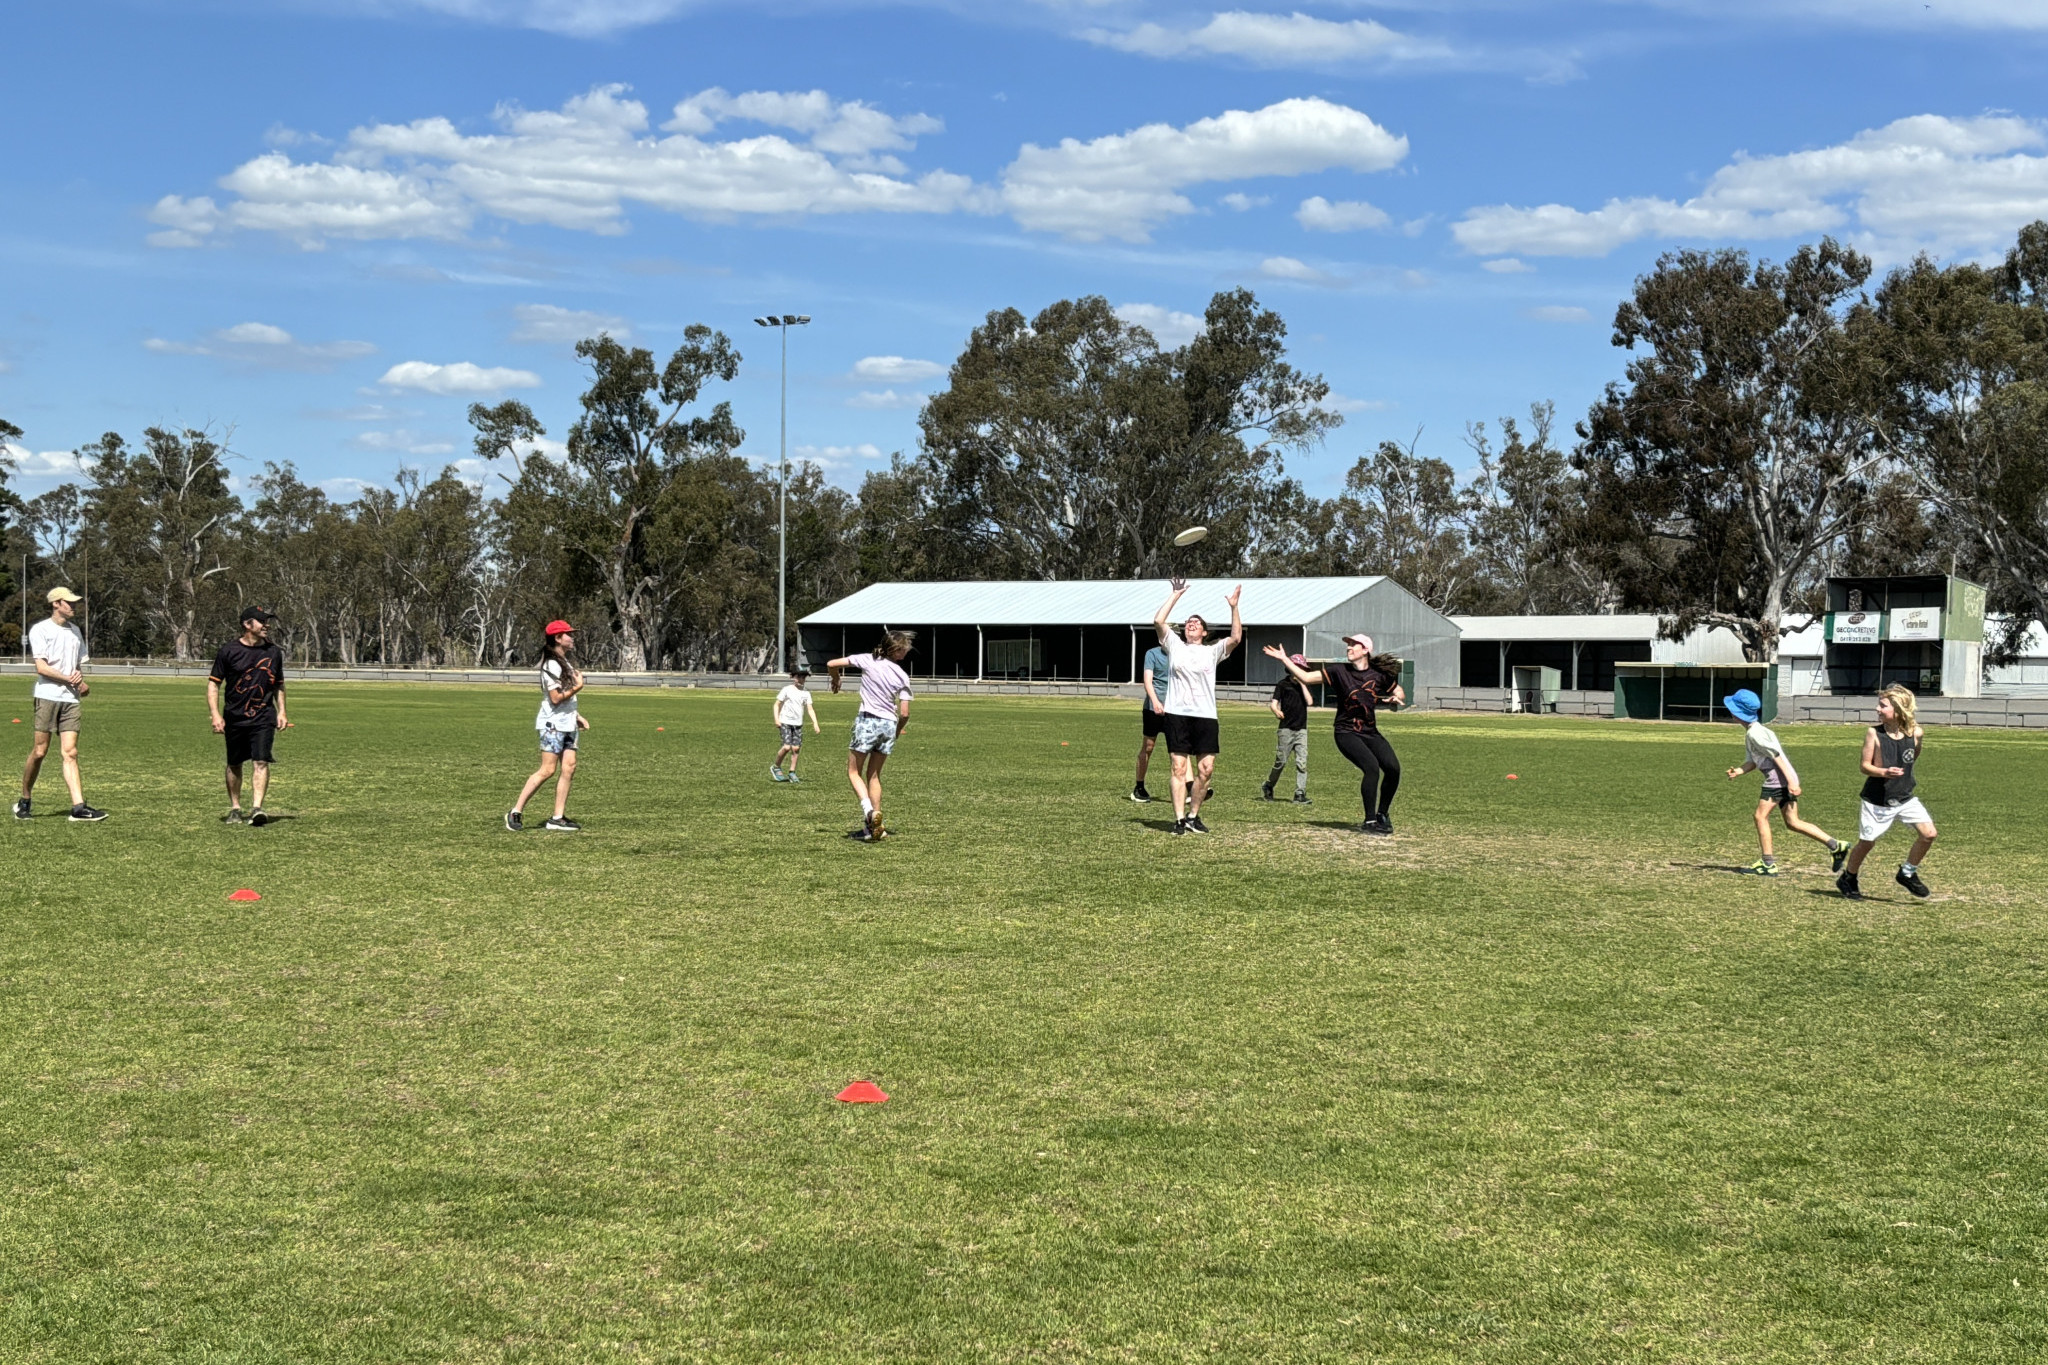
(1364,642)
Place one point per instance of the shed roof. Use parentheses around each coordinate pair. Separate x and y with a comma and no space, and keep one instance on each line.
(1558,627)
(1266,602)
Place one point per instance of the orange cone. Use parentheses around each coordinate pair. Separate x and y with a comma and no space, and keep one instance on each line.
(862,1092)
(245,894)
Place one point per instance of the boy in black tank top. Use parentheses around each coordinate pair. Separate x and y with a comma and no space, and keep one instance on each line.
(1890,748)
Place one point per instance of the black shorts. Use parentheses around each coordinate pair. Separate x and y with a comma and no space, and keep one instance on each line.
(1155,722)
(1194,735)
(1781,795)
(249,743)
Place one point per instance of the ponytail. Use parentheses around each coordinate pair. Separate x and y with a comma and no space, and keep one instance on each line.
(895,644)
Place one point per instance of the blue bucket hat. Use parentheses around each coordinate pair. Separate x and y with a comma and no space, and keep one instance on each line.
(1745,705)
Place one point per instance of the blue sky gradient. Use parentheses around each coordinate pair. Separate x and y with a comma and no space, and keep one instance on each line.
(236,215)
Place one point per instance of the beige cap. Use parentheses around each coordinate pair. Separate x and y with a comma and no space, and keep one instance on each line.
(63,595)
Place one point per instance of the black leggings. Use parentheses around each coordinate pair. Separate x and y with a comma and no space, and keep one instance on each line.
(1375,759)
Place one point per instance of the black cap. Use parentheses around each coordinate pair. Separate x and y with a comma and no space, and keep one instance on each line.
(257,614)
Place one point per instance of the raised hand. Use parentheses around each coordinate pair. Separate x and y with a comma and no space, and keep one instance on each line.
(1180,584)
(1273,652)
(1235,593)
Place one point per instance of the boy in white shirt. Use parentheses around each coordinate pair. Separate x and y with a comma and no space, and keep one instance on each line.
(792,704)
(59,651)
(1781,784)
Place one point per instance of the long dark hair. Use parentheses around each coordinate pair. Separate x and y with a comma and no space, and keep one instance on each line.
(548,654)
(895,644)
(1389,664)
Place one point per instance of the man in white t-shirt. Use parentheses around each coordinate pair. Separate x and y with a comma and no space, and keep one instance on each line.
(1191,734)
(58,648)
(792,704)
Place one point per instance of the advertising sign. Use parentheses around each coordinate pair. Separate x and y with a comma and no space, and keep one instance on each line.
(1915,623)
(1854,627)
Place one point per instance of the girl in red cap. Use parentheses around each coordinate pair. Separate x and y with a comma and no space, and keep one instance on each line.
(558,723)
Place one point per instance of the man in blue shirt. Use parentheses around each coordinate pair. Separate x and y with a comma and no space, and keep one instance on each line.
(1153,679)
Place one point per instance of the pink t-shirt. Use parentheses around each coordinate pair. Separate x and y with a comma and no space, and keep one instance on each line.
(882,681)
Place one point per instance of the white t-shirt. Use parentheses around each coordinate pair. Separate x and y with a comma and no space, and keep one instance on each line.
(62,648)
(789,705)
(1191,685)
(553,717)
(1765,751)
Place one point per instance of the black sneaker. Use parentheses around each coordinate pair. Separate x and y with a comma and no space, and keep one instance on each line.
(21,809)
(1140,795)
(1846,884)
(1301,800)
(1374,824)
(1195,825)
(81,811)
(1266,792)
(1910,880)
(1180,826)
(1840,855)
(234,817)
(257,818)
(562,824)
(514,821)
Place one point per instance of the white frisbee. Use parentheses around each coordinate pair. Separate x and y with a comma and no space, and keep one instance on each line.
(1191,535)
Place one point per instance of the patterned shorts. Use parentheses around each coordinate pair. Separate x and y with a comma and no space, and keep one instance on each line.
(553,741)
(873,734)
(793,736)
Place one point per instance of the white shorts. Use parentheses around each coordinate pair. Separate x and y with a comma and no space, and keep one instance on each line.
(1873,821)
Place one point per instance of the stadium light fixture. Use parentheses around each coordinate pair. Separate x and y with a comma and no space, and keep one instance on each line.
(782,324)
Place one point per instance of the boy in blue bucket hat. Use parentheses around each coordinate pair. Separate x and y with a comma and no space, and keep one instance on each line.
(1781,784)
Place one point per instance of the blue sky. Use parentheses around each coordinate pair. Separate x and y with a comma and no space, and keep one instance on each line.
(329,226)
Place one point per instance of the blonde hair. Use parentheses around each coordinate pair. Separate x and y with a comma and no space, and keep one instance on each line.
(1903,703)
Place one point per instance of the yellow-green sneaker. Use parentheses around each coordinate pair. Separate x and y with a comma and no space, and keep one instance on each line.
(1764,869)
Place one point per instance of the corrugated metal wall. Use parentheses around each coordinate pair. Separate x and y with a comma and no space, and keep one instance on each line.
(1399,623)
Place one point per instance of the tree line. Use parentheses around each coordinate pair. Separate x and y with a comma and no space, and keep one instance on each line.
(1774,423)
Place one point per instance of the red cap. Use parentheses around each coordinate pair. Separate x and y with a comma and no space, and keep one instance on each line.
(558,628)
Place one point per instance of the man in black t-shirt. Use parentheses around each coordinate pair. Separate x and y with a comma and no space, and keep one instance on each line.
(1290,706)
(245,693)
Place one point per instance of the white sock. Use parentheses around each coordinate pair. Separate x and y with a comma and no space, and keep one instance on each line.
(867,807)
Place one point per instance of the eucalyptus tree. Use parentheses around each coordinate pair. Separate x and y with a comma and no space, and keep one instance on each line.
(163,517)
(614,498)
(1962,357)
(1069,445)
(1723,473)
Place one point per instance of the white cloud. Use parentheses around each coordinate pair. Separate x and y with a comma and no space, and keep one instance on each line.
(459,378)
(1558,312)
(545,322)
(849,129)
(363,412)
(829,457)
(1300,272)
(1923,183)
(896,369)
(402,441)
(1241,203)
(260,345)
(1346,215)
(578,167)
(1295,39)
(37,465)
(1126,184)
(887,398)
(577,18)
(1507,265)
(1340,403)
(1169,328)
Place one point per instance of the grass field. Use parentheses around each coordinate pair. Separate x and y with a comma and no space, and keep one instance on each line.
(1541,1078)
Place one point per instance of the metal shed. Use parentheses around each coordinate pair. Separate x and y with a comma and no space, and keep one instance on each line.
(1098,631)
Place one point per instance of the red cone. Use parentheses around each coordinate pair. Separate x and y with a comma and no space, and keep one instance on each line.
(1513,778)
(862,1092)
(245,894)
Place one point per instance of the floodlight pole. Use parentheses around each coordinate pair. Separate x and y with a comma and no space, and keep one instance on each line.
(783,323)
